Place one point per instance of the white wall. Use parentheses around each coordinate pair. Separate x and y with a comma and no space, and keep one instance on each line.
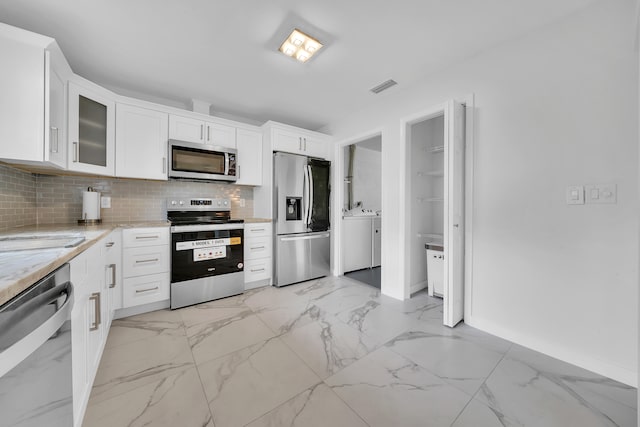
(554,108)
(367,177)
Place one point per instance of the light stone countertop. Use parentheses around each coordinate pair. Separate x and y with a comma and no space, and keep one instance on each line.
(256,220)
(20,269)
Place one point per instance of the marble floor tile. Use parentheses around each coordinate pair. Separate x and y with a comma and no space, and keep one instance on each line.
(377,321)
(129,366)
(207,313)
(386,389)
(328,345)
(282,318)
(247,384)
(270,296)
(346,297)
(226,335)
(318,406)
(420,306)
(175,400)
(514,385)
(577,378)
(452,357)
(317,288)
(476,414)
(147,325)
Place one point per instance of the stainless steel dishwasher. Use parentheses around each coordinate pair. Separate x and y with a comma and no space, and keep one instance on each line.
(35,355)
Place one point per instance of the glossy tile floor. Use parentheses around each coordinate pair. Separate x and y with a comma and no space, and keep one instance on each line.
(334,352)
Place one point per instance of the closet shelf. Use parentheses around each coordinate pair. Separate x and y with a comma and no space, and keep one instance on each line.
(430,173)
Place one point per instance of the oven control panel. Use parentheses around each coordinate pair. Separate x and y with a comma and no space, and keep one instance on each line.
(198,204)
(205,254)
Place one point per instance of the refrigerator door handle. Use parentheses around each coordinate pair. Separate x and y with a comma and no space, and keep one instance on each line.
(310,191)
(307,237)
(306,195)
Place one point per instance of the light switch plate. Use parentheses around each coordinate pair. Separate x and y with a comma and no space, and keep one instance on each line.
(105,202)
(575,195)
(601,194)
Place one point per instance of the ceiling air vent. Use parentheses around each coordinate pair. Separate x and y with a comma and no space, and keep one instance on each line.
(383,86)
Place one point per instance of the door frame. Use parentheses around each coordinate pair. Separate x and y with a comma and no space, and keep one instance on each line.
(436,110)
(338,200)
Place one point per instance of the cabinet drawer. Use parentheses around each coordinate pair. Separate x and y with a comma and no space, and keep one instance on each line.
(152,236)
(145,289)
(258,229)
(257,269)
(257,247)
(145,260)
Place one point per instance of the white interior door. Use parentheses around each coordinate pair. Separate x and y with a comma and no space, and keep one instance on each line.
(453,305)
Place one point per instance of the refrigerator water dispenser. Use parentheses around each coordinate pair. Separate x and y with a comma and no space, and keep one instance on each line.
(294,209)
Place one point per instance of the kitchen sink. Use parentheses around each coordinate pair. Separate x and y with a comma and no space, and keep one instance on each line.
(40,241)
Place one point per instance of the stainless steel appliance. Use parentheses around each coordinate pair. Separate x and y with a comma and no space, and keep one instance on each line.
(301,209)
(201,161)
(35,355)
(207,251)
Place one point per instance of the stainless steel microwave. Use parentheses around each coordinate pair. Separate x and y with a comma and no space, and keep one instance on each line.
(201,161)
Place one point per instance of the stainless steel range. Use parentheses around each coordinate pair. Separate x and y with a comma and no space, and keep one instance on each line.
(207,251)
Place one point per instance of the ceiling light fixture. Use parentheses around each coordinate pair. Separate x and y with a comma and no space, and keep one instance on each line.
(300,46)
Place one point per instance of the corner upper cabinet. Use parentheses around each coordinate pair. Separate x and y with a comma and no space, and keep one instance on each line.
(91,130)
(141,133)
(192,129)
(32,105)
(249,146)
(298,141)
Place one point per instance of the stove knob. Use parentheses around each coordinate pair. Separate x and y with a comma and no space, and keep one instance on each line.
(219,203)
(226,203)
(181,202)
(173,203)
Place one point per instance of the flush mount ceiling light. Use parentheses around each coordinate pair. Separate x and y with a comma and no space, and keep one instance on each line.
(300,46)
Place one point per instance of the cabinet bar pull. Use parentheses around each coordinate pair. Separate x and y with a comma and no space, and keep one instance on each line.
(75,151)
(257,229)
(257,247)
(300,143)
(208,133)
(147,237)
(305,144)
(54,131)
(98,320)
(110,244)
(164,165)
(256,270)
(139,291)
(113,275)
(138,261)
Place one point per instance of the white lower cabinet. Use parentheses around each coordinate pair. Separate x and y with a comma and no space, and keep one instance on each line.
(87,325)
(145,266)
(258,258)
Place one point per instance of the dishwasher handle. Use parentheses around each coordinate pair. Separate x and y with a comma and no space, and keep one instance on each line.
(13,353)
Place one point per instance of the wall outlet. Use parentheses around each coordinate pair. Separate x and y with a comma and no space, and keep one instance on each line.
(601,194)
(242,203)
(105,202)
(575,195)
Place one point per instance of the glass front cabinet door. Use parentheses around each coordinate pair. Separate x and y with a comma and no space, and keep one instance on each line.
(91,131)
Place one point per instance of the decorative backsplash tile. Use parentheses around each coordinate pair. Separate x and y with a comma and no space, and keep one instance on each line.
(17,198)
(27,199)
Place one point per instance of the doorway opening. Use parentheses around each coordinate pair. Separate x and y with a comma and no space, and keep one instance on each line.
(361,222)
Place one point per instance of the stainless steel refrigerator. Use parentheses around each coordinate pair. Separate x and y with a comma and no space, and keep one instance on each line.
(301,212)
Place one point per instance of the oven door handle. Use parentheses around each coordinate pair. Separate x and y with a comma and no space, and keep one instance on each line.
(226,164)
(20,350)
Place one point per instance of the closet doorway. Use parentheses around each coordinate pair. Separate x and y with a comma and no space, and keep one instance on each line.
(361,220)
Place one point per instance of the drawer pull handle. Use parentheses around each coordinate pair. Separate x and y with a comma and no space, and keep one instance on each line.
(110,244)
(257,247)
(139,291)
(113,275)
(257,229)
(147,237)
(139,261)
(256,270)
(95,297)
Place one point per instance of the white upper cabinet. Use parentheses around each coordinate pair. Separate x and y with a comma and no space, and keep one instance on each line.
(298,141)
(32,105)
(249,145)
(201,131)
(91,130)
(141,142)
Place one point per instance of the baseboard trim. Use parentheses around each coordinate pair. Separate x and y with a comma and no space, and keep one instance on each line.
(140,309)
(418,287)
(598,366)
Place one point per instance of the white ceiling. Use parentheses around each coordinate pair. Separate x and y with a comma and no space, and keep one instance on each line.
(225,52)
